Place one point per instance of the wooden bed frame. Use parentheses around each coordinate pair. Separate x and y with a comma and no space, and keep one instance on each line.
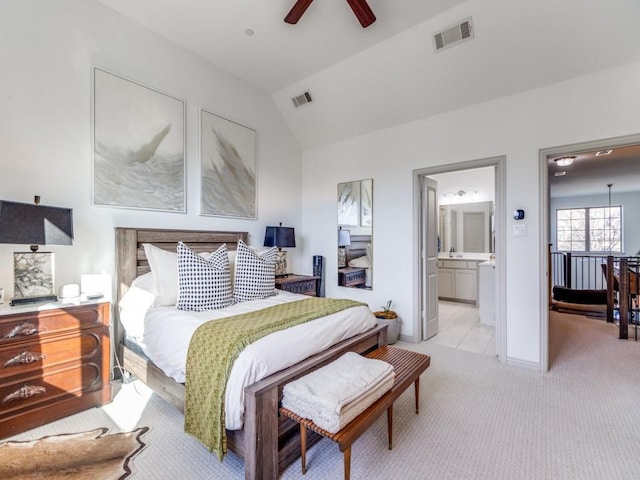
(268,443)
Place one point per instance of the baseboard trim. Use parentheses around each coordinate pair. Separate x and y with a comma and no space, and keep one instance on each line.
(407,338)
(516,362)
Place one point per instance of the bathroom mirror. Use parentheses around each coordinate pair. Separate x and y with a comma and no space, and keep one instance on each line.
(466,227)
(355,234)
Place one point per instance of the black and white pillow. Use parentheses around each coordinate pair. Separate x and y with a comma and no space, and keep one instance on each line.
(255,276)
(203,283)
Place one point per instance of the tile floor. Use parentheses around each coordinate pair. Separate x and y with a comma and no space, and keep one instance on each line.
(460,328)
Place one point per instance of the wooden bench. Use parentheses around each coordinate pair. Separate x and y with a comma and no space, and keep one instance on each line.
(408,367)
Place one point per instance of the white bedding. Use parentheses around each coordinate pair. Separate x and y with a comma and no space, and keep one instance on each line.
(164,334)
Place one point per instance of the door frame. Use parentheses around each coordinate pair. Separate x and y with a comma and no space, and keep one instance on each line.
(499,162)
(545,218)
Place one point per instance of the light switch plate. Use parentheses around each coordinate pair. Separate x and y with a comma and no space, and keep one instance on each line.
(520,230)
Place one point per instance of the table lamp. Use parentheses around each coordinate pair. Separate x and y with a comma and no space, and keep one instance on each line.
(35,225)
(280,237)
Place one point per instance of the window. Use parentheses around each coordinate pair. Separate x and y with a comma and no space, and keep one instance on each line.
(589,229)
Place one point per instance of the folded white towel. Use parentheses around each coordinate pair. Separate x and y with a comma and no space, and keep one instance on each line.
(335,394)
(332,422)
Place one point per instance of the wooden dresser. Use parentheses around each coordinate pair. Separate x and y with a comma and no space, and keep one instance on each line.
(54,362)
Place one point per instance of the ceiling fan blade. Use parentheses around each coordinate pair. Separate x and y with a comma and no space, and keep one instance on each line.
(363,12)
(297,10)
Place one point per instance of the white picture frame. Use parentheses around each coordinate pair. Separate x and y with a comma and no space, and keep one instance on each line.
(228,168)
(138,145)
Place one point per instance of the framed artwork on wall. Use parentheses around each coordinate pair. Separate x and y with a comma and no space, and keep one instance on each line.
(349,204)
(366,203)
(228,167)
(138,145)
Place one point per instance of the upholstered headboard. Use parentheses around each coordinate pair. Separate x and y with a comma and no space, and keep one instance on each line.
(131,260)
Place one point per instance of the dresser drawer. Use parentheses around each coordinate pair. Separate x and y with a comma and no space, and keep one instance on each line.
(24,357)
(32,391)
(21,326)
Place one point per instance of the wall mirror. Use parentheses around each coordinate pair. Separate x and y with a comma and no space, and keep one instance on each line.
(466,227)
(355,234)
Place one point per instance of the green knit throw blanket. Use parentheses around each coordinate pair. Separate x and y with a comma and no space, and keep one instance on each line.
(214,347)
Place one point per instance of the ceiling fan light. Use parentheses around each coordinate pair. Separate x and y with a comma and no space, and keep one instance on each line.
(564,161)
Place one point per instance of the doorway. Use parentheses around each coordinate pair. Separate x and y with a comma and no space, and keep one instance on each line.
(423,294)
(602,171)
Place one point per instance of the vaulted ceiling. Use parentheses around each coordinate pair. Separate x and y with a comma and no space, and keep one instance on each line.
(362,80)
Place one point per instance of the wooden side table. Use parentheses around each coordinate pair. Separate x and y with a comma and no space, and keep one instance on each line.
(304,284)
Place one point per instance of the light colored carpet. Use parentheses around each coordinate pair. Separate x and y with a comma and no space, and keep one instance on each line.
(479,419)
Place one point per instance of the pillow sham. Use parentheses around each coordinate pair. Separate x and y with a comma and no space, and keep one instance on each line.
(255,275)
(203,283)
(360,262)
(164,266)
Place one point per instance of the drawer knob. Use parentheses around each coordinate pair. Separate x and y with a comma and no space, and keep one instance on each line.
(23,330)
(24,392)
(24,358)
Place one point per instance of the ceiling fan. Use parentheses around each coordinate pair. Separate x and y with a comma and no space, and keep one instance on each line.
(360,7)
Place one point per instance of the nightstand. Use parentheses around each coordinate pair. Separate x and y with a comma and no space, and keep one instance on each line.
(55,361)
(351,277)
(304,284)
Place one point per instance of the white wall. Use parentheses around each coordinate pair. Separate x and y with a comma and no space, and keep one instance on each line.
(49,49)
(594,107)
(630,218)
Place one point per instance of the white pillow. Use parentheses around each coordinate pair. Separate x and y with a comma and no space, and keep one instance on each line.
(135,304)
(232,264)
(203,283)
(164,265)
(360,262)
(255,275)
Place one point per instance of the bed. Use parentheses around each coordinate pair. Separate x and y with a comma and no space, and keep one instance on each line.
(267,443)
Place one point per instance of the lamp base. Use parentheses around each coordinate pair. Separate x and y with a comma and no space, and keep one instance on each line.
(281,263)
(33,274)
(342,257)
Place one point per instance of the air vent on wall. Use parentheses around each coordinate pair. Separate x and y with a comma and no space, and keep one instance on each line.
(453,35)
(302,99)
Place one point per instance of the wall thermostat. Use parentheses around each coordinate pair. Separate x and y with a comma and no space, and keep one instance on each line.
(518,214)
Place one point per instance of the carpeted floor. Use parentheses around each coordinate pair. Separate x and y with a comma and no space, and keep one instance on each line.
(479,419)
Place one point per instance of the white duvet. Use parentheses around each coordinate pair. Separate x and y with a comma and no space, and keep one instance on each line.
(164,334)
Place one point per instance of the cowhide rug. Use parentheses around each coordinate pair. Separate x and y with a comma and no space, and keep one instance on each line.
(87,455)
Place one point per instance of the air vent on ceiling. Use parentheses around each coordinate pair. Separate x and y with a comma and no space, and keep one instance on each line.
(302,99)
(453,35)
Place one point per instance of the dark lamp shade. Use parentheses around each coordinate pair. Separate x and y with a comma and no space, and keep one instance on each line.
(30,224)
(279,237)
(344,238)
